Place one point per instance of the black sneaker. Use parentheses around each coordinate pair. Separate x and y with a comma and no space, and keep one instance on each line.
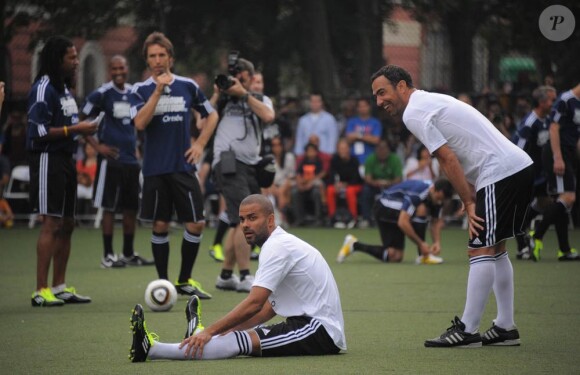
(112,261)
(193,316)
(142,339)
(255,253)
(69,295)
(192,288)
(137,260)
(568,255)
(501,337)
(455,336)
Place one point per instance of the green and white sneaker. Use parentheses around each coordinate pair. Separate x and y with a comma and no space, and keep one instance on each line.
(567,256)
(538,246)
(191,288)
(69,295)
(217,252)
(193,316)
(143,340)
(45,298)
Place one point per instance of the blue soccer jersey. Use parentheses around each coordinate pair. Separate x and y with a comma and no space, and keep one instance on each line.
(406,196)
(531,136)
(49,108)
(116,128)
(167,137)
(566,112)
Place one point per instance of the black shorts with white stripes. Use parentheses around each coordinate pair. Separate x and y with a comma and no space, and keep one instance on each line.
(298,335)
(174,191)
(503,205)
(116,186)
(53,184)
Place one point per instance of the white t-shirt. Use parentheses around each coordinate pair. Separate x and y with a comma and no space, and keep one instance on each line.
(301,282)
(485,154)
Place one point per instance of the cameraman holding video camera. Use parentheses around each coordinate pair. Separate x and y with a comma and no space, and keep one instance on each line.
(238,168)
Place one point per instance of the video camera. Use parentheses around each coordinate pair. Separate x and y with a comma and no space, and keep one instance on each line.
(224,82)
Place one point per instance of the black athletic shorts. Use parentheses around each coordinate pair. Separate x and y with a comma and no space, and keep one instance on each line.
(174,191)
(386,219)
(298,335)
(116,186)
(503,205)
(560,184)
(53,184)
(235,187)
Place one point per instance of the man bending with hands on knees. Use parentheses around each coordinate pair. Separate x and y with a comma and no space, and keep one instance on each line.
(473,154)
(293,280)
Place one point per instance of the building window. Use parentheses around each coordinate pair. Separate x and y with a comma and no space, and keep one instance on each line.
(93,69)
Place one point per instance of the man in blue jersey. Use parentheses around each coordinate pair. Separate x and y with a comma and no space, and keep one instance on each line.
(531,136)
(162,107)
(117,183)
(404,209)
(560,161)
(53,127)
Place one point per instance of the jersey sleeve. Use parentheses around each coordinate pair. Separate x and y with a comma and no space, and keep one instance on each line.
(425,131)
(136,100)
(39,114)
(559,110)
(93,104)
(200,102)
(275,263)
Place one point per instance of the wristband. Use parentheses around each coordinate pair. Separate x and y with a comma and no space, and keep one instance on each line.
(65,131)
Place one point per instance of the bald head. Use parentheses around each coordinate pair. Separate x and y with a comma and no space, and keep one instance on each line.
(262,201)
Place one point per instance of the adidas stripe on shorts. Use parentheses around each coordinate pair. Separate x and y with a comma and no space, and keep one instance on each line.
(503,206)
(298,335)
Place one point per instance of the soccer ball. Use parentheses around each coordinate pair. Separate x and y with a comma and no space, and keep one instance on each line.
(160,295)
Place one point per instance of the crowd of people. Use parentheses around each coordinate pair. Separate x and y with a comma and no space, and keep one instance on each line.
(272,170)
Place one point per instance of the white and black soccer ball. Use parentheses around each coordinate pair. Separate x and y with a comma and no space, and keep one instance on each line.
(160,295)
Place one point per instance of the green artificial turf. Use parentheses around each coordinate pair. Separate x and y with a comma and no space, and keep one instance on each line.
(389,310)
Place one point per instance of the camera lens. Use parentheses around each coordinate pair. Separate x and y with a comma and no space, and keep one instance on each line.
(223,82)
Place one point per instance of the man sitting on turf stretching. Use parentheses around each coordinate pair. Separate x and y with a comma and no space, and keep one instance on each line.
(293,280)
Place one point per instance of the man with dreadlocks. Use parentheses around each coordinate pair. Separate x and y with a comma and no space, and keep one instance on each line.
(53,127)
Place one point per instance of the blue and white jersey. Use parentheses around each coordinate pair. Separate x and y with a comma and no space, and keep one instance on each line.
(566,112)
(116,128)
(48,108)
(531,136)
(406,196)
(167,137)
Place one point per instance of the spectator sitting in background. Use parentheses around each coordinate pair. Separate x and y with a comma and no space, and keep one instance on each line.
(283,180)
(382,169)
(343,180)
(324,157)
(421,166)
(309,185)
(86,172)
(363,132)
(14,134)
(318,122)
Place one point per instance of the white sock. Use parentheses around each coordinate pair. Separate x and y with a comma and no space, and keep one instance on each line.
(479,285)
(58,288)
(219,347)
(503,288)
